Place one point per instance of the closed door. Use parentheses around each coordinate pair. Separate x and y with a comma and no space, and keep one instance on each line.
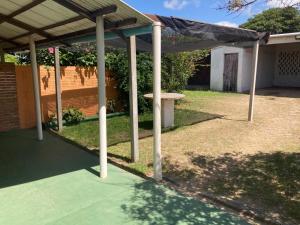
(230,72)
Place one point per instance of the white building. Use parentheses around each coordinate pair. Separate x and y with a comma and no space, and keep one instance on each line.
(278,65)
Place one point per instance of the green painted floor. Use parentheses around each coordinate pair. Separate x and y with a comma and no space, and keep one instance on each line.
(55,183)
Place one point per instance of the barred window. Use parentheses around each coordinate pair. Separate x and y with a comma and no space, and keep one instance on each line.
(289,63)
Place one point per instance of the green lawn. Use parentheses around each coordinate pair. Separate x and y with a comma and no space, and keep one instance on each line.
(118,127)
(188,111)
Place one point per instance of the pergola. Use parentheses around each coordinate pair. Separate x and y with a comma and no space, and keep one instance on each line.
(28,24)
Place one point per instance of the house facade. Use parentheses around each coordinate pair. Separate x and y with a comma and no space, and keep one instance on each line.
(278,65)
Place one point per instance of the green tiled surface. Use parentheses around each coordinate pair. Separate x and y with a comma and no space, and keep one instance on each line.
(55,183)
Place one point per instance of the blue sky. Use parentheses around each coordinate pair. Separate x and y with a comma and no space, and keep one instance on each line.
(201,10)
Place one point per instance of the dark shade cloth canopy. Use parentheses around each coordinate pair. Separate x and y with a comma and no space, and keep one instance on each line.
(180,35)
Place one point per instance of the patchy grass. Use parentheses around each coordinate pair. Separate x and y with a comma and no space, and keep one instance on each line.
(188,112)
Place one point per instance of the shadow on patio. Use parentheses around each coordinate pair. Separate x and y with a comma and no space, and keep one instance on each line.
(24,159)
(55,183)
(155,204)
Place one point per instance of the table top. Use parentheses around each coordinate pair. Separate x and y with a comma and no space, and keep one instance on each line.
(173,96)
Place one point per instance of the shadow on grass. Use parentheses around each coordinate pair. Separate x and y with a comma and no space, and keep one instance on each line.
(268,182)
(292,92)
(155,204)
(183,117)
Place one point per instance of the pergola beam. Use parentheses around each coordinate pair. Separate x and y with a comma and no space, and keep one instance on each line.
(3,39)
(3,18)
(77,8)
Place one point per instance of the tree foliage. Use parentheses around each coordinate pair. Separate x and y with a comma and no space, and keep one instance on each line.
(78,54)
(275,21)
(117,61)
(177,68)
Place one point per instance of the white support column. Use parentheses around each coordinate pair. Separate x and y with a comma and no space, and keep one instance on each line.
(36,86)
(253,84)
(131,48)
(101,95)
(2,56)
(58,89)
(157,158)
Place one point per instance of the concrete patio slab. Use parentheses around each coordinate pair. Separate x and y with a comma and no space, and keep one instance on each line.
(55,183)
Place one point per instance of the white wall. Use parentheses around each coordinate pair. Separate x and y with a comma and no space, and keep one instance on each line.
(265,67)
(216,69)
(245,75)
(217,66)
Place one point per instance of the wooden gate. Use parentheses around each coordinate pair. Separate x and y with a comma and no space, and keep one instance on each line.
(230,72)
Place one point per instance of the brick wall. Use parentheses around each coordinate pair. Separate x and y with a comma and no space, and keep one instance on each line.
(79,89)
(8,98)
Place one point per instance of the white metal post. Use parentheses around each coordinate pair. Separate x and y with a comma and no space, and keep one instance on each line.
(131,48)
(36,86)
(101,95)
(58,89)
(2,56)
(253,84)
(157,158)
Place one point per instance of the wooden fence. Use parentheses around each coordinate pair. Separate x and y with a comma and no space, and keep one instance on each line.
(79,89)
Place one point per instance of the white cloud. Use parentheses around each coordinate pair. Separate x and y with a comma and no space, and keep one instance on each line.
(175,4)
(227,24)
(282,3)
(180,4)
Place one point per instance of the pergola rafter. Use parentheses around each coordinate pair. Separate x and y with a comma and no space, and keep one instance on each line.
(73,6)
(88,31)
(4,18)
(83,13)
(27,27)
(99,12)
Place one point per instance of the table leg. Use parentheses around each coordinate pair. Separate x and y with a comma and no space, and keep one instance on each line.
(167,117)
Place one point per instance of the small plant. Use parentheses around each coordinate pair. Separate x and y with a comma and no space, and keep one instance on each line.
(111,105)
(52,120)
(72,115)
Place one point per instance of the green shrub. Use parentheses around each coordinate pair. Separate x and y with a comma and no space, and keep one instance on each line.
(177,68)
(72,115)
(117,62)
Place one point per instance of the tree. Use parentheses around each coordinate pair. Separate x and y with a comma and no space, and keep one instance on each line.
(238,5)
(275,21)
(177,68)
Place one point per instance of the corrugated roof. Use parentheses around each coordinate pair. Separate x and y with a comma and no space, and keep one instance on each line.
(54,21)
